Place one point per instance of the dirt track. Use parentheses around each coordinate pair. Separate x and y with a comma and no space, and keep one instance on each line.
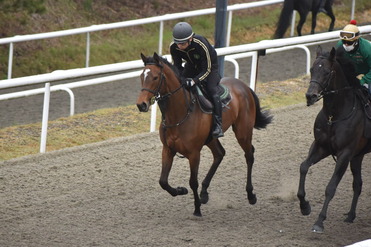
(107,194)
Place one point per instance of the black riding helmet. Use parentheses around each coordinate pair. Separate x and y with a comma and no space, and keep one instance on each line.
(182,31)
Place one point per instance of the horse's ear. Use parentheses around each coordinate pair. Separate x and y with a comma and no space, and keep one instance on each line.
(144,58)
(332,54)
(157,58)
(319,51)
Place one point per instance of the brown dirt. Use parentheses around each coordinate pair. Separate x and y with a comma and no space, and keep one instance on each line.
(107,194)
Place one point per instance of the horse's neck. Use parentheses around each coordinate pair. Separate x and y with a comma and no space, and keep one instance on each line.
(178,103)
(341,99)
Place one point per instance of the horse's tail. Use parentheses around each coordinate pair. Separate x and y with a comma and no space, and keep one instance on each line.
(285,18)
(262,117)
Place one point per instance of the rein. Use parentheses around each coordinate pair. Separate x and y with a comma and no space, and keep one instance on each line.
(162,98)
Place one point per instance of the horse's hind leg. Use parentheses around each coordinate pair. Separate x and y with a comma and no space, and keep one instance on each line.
(218,154)
(355,166)
(249,156)
(330,13)
(244,137)
(303,17)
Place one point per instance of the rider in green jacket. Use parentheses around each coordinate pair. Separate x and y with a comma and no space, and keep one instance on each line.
(358,50)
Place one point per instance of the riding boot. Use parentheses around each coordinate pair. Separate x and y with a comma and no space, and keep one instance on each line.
(217,114)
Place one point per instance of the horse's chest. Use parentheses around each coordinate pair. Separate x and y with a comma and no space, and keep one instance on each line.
(336,135)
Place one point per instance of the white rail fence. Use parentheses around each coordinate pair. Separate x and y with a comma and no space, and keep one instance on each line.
(234,52)
(161,19)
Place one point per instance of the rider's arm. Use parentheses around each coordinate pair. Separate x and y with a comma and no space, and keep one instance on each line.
(204,52)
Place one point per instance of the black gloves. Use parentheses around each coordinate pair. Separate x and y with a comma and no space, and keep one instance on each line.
(189,83)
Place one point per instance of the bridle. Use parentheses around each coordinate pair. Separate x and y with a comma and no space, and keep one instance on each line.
(324,88)
(162,99)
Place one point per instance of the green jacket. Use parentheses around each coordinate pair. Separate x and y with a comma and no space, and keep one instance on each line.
(361,57)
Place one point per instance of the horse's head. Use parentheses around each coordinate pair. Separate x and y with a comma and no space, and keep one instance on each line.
(159,80)
(322,75)
(152,79)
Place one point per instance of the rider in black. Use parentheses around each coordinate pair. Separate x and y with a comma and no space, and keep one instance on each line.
(201,66)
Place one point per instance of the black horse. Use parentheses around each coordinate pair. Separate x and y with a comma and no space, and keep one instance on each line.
(303,7)
(341,128)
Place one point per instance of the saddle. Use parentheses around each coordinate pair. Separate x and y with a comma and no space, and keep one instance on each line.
(203,99)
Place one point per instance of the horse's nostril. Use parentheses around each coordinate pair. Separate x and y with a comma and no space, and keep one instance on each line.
(142,107)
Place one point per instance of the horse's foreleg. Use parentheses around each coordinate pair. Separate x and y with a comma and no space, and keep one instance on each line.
(167,162)
(218,154)
(194,162)
(302,19)
(315,154)
(332,16)
(340,168)
(355,166)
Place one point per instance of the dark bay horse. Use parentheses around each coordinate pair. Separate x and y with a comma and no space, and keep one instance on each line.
(303,7)
(341,128)
(185,128)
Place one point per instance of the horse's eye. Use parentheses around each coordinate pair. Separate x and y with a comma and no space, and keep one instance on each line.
(155,78)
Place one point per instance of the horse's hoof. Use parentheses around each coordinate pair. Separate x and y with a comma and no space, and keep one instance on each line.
(198,214)
(252,199)
(350,218)
(317,229)
(181,191)
(305,209)
(204,197)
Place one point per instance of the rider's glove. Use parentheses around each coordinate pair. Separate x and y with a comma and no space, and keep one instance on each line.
(189,83)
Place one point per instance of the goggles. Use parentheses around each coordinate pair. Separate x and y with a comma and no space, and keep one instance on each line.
(347,35)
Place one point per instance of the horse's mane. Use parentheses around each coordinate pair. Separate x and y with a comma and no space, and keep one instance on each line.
(166,62)
(347,66)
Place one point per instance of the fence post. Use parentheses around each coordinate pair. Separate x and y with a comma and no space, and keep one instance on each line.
(220,30)
(10,61)
(44,127)
(160,38)
(87,50)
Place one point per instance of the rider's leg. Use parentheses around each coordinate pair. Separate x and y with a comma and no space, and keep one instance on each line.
(212,86)
(218,130)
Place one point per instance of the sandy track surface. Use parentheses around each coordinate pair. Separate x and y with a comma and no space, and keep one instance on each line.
(107,194)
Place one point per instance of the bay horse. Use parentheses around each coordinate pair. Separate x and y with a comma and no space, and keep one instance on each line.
(303,7)
(185,128)
(341,128)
